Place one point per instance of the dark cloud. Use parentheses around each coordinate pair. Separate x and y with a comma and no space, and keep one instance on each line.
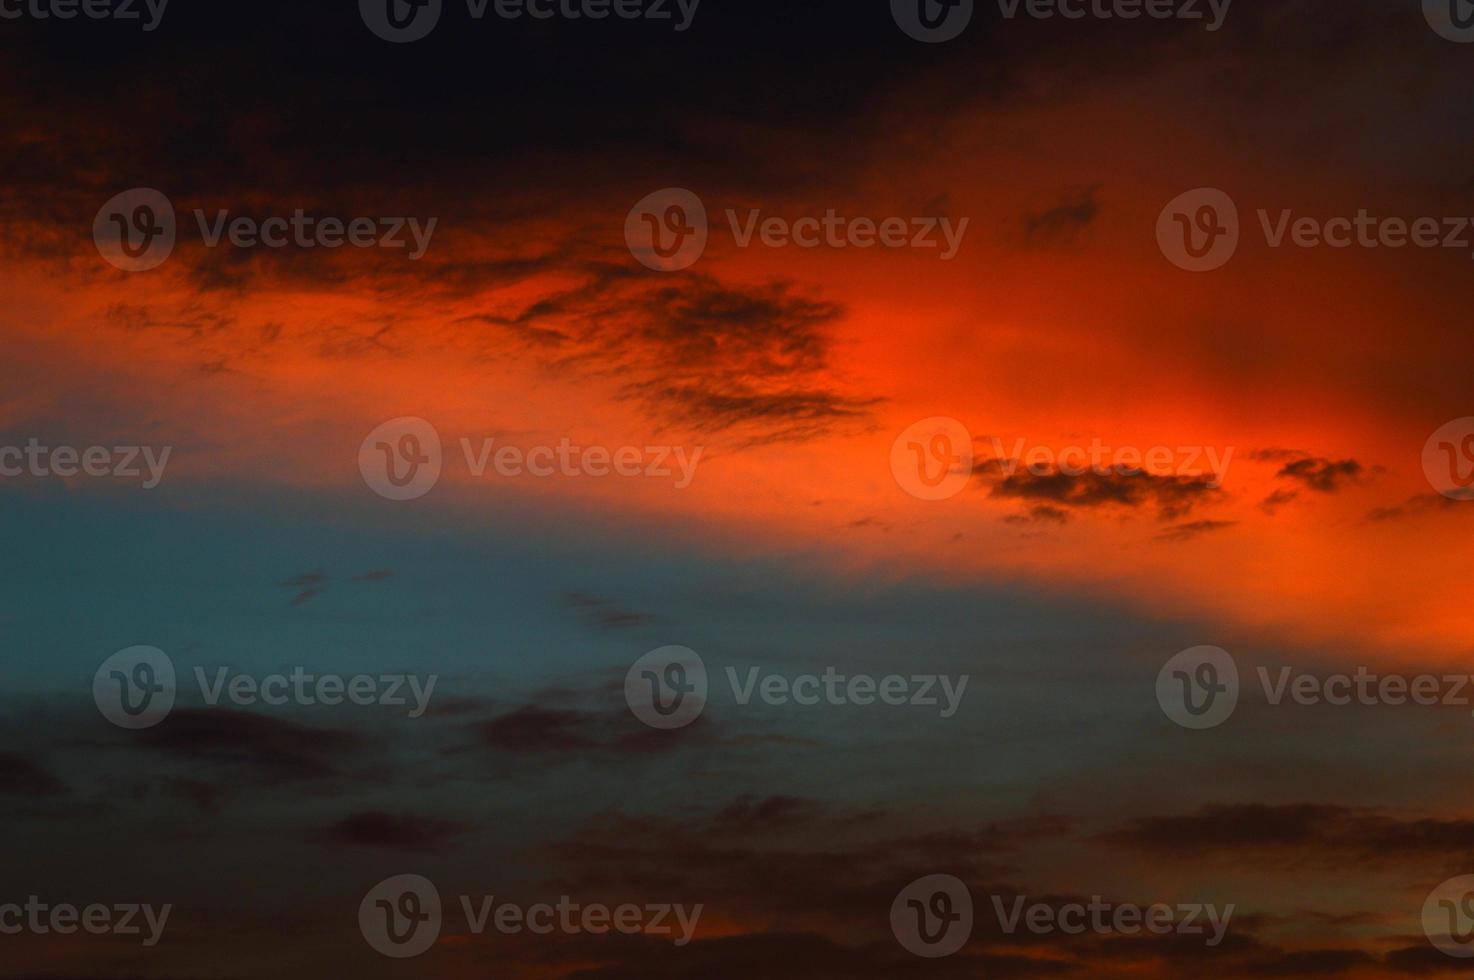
(1042,514)
(273,749)
(1424,960)
(1278,454)
(1313,963)
(309,585)
(788,955)
(1278,499)
(1194,529)
(20,776)
(1063,223)
(574,732)
(1313,831)
(205,796)
(394,831)
(1314,472)
(1323,475)
(1414,506)
(605,614)
(753,361)
(754,814)
(1172,496)
(788,859)
(822,872)
(533,729)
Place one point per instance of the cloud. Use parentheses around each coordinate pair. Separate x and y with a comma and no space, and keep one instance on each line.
(753,360)
(1414,506)
(1041,514)
(1278,499)
(20,776)
(1065,222)
(1314,472)
(751,814)
(807,864)
(605,614)
(275,750)
(404,832)
(572,732)
(1195,529)
(534,729)
(1316,831)
(1173,496)
(310,585)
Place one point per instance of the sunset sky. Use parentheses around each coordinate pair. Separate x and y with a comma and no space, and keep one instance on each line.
(1294,526)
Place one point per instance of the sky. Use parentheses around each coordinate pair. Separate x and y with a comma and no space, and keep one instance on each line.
(841,459)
